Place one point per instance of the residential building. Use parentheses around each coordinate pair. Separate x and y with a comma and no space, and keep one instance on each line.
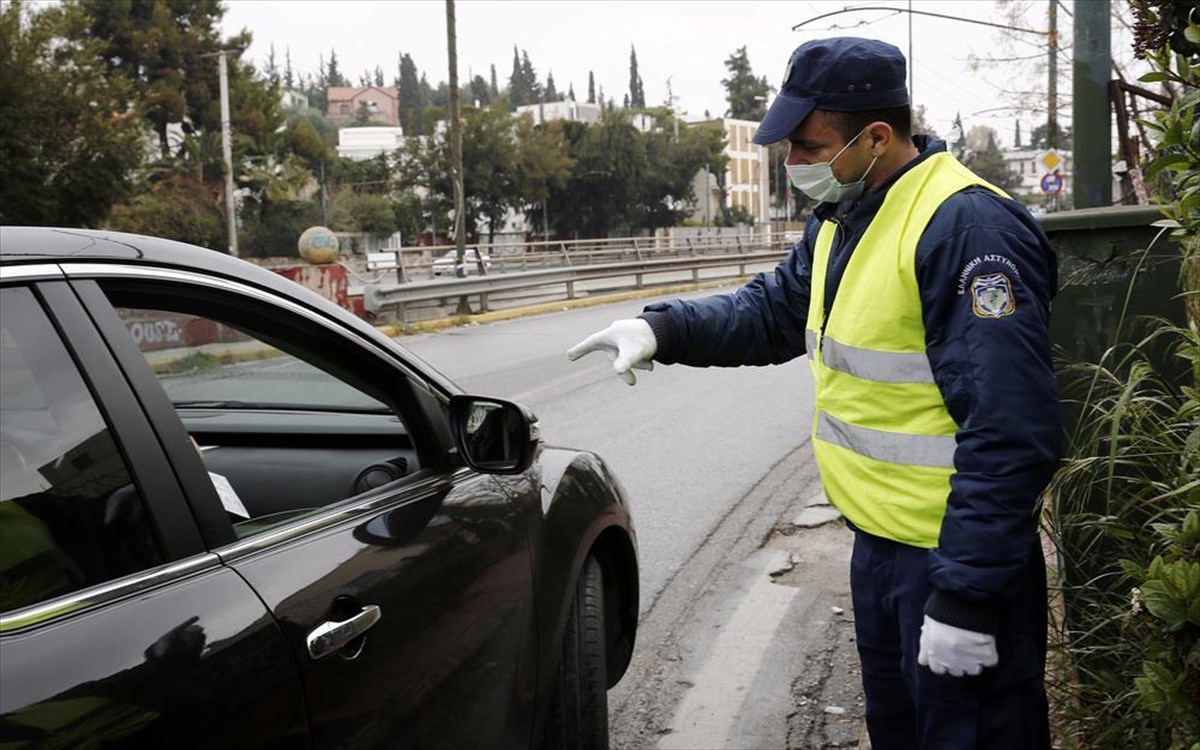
(293,99)
(745,176)
(564,110)
(365,143)
(383,103)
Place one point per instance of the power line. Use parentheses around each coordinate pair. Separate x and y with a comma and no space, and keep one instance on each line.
(896,11)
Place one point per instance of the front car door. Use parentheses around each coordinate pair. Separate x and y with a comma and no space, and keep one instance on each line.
(116,625)
(400,580)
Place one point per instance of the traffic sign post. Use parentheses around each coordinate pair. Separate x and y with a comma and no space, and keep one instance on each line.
(1052,184)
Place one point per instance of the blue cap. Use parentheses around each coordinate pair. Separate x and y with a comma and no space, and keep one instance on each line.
(844,74)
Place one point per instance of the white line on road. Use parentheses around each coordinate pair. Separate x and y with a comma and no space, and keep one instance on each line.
(710,707)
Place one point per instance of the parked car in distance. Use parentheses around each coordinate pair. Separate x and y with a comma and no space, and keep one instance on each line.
(447,264)
(232,514)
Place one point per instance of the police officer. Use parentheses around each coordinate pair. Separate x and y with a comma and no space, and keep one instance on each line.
(920,294)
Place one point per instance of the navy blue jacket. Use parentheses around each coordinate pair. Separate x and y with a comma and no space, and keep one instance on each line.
(995,373)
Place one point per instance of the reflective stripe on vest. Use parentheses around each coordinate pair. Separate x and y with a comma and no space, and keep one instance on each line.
(893,447)
(872,364)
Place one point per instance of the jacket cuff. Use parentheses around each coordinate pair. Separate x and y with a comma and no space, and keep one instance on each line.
(664,333)
(950,609)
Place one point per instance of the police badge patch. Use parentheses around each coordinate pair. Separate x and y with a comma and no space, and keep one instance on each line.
(992,296)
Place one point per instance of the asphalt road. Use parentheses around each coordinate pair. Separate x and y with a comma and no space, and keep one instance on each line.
(746,636)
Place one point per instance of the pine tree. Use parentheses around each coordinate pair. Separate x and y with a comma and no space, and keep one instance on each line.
(571,91)
(289,79)
(379,76)
(551,94)
(591,88)
(637,94)
(495,91)
(165,49)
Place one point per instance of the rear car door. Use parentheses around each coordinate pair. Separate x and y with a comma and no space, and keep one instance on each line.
(116,625)
(400,580)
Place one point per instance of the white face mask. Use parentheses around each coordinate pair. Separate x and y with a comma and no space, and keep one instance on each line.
(818,182)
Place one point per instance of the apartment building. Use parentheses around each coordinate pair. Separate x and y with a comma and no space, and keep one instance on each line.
(745,175)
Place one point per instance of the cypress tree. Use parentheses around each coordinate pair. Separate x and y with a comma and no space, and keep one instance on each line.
(516,82)
(410,100)
(637,94)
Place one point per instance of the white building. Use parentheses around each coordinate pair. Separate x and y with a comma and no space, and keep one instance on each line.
(564,110)
(361,144)
(292,99)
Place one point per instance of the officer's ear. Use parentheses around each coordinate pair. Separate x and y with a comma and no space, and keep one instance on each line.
(881,136)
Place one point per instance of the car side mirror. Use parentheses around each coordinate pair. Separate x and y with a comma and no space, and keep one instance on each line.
(494,436)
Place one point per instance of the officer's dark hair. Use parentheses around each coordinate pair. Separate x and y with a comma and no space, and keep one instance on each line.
(849,124)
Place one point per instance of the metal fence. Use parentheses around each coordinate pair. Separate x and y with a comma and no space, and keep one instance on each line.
(556,270)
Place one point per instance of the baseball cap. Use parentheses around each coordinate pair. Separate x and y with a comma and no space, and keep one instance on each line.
(843,74)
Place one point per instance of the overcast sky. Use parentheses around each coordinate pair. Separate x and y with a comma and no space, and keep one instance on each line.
(676,40)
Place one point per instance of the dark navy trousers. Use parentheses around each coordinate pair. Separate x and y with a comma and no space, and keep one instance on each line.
(909,707)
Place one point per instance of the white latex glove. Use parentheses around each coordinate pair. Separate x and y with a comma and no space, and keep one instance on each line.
(947,649)
(630,344)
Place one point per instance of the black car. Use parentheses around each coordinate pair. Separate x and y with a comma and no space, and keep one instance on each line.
(232,514)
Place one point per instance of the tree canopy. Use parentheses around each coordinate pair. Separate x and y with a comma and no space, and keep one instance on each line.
(71,130)
(745,92)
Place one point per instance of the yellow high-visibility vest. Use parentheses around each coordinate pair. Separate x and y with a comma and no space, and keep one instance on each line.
(883,438)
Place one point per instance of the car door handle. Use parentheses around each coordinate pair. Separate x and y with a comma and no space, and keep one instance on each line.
(329,637)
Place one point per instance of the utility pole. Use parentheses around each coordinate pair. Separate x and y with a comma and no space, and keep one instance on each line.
(1092,135)
(707,197)
(460,224)
(911,95)
(324,198)
(1052,84)
(227,152)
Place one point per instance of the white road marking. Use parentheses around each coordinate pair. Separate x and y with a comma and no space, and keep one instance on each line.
(709,708)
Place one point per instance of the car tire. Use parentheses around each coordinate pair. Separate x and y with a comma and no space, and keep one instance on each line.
(579,707)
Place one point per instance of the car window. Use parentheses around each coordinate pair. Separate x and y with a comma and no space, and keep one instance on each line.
(70,514)
(284,426)
(201,362)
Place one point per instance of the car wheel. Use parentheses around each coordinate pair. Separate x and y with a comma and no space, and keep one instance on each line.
(579,708)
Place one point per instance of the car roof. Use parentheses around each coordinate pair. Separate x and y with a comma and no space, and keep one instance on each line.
(39,245)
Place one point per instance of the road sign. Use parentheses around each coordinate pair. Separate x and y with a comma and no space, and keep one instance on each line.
(1051,160)
(1052,183)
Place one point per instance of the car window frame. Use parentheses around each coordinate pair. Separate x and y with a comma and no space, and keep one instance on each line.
(169,515)
(423,404)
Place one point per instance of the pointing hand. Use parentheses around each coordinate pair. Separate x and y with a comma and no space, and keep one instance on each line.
(630,344)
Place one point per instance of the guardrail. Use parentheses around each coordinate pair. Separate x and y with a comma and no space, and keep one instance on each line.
(411,263)
(562,280)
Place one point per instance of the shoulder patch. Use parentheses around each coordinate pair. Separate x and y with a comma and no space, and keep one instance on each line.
(992,296)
